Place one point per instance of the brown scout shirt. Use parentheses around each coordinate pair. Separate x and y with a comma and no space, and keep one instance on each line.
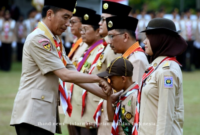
(162,108)
(37,98)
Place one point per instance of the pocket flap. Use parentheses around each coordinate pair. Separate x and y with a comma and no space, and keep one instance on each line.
(42,95)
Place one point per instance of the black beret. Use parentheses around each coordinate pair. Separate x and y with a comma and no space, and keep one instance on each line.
(80,11)
(91,19)
(65,4)
(114,8)
(121,22)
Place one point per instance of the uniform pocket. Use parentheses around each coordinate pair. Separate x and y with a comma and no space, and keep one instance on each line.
(42,95)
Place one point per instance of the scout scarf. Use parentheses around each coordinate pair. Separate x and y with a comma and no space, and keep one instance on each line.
(74,48)
(80,65)
(115,128)
(134,48)
(97,114)
(66,105)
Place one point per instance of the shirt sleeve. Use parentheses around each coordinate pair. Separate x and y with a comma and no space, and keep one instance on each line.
(45,57)
(167,84)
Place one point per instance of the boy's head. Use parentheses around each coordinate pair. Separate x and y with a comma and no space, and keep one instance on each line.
(119,72)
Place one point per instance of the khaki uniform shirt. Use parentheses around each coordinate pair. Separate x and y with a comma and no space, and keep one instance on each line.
(37,98)
(140,64)
(10,32)
(128,106)
(91,100)
(162,107)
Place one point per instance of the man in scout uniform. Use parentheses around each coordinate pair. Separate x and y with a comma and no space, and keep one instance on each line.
(108,9)
(8,39)
(78,49)
(84,103)
(124,114)
(35,108)
(122,40)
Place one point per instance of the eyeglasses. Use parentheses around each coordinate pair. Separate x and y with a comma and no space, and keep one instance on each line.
(102,19)
(72,22)
(112,36)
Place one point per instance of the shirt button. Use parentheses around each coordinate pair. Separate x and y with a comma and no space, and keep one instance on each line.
(58,48)
(102,110)
(42,97)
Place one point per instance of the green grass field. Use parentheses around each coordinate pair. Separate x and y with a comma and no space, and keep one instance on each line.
(9,82)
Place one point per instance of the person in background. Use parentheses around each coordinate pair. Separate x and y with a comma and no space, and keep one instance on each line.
(175,19)
(188,28)
(8,39)
(31,23)
(197,42)
(21,36)
(162,105)
(2,10)
(14,11)
(161,13)
(152,14)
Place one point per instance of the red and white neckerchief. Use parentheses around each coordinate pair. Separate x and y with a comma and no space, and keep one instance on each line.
(97,114)
(115,127)
(66,104)
(6,29)
(189,30)
(84,93)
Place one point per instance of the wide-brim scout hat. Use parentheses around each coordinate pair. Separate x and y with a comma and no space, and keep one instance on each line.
(121,22)
(65,4)
(161,24)
(91,19)
(80,11)
(118,67)
(114,8)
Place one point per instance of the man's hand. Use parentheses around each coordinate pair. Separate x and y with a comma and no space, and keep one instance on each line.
(105,86)
(115,96)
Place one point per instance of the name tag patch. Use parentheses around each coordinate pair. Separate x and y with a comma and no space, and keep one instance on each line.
(168,82)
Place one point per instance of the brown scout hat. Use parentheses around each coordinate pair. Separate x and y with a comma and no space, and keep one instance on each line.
(118,67)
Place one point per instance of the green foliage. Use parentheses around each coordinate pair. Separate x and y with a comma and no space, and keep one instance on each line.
(168,5)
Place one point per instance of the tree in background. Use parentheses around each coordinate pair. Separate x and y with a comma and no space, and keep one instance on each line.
(167,5)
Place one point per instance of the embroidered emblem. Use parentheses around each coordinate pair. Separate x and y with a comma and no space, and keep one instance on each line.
(128,115)
(99,65)
(149,78)
(101,56)
(47,47)
(168,82)
(123,109)
(75,63)
(129,103)
(105,6)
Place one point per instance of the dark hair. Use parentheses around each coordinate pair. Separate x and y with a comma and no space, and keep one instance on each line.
(46,8)
(130,32)
(31,10)
(95,27)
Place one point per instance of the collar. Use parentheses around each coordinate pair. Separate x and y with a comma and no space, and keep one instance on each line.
(129,88)
(157,61)
(131,49)
(55,37)
(106,39)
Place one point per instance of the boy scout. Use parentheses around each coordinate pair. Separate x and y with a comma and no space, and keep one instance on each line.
(35,108)
(8,39)
(125,116)
(122,40)
(108,9)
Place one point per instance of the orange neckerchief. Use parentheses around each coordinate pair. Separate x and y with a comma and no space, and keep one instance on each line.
(131,49)
(75,47)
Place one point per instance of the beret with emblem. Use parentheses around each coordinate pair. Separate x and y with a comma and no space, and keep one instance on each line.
(80,11)
(65,4)
(122,22)
(114,8)
(91,19)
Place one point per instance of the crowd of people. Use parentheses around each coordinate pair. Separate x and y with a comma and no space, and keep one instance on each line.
(105,84)
(15,28)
